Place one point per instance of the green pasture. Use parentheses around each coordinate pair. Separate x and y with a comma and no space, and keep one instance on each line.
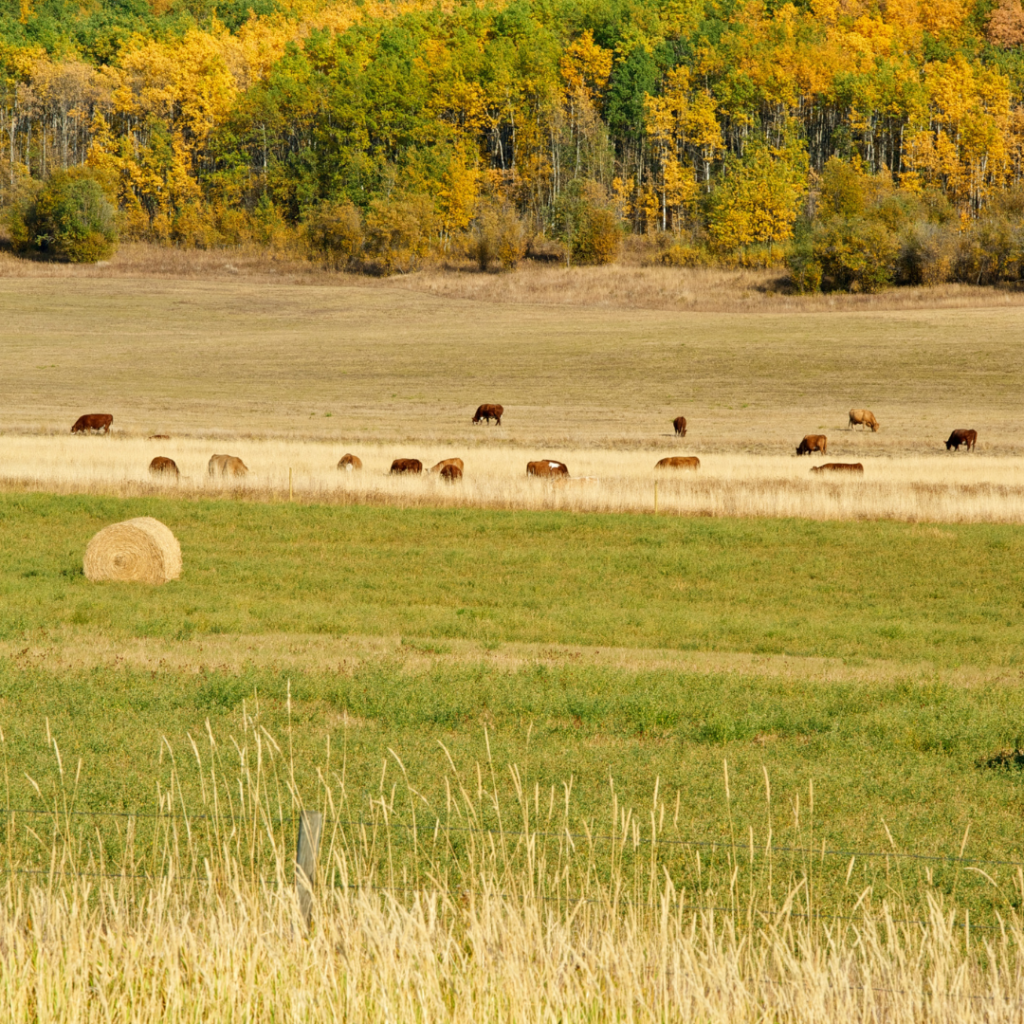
(952,595)
(897,750)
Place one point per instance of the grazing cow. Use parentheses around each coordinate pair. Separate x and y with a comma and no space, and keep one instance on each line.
(350,462)
(865,417)
(959,437)
(407,466)
(159,437)
(679,462)
(458,463)
(813,443)
(547,467)
(451,473)
(93,423)
(839,467)
(680,424)
(488,413)
(226,465)
(162,466)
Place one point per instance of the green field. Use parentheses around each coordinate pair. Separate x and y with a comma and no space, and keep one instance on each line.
(877,661)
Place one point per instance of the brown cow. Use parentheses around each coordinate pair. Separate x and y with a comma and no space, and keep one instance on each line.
(350,462)
(839,467)
(547,467)
(813,443)
(407,466)
(458,463)
(162,466)
(451,473)
(865,417)
(679,462)
(489,412)
(680,424)
(226,465)
(93,423)
(959,437)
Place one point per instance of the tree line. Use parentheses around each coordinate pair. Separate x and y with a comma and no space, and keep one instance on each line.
(860,142)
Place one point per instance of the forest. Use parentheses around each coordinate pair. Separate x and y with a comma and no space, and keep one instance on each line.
(859,143)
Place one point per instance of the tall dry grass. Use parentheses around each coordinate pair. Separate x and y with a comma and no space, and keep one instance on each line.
(631,283)
(937,488)
(475,911)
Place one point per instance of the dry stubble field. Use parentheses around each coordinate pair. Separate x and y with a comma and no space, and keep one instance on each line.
(621,870)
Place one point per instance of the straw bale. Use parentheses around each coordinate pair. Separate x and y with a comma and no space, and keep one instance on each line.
(139,550)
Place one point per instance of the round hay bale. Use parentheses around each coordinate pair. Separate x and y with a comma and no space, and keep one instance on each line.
(139,550)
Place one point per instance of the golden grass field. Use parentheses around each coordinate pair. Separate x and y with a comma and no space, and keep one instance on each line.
(289,368)
(931,488)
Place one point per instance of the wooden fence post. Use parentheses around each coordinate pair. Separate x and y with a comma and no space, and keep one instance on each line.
(311,824)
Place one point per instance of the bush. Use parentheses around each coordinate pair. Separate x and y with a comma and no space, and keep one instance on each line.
(601,238)
(928,254)
(398,232)
(858,255)
(70,219)
(334,233)
(497,235)
(588,229)
(804,268)
(991,250)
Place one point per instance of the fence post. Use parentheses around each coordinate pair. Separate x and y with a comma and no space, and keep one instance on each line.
(311,824)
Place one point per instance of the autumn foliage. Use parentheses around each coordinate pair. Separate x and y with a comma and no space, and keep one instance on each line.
(377,135)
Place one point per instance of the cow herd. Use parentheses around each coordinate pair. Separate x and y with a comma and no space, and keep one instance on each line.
(450,470)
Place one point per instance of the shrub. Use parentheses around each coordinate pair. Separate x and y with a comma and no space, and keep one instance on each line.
(497,235)
(804,268)
(398,232)
(600,239)
(585,225)
(928,254)
(991,250)
(70,219)
(682,254)
(334,233)
(858,255)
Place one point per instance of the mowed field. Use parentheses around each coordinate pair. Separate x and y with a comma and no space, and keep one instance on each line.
(724,745)
(352,362)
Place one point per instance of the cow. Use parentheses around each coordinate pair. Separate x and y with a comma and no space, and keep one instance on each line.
(865,417)
(547,467)
(162,466)
(839,467)
(813,443)
(488,413)
(226,465)
(159,437)
(959,437)
(93,423)
(450,472)
(679,462)
(680,426)
(406,466)
(350,462)
(457,463)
